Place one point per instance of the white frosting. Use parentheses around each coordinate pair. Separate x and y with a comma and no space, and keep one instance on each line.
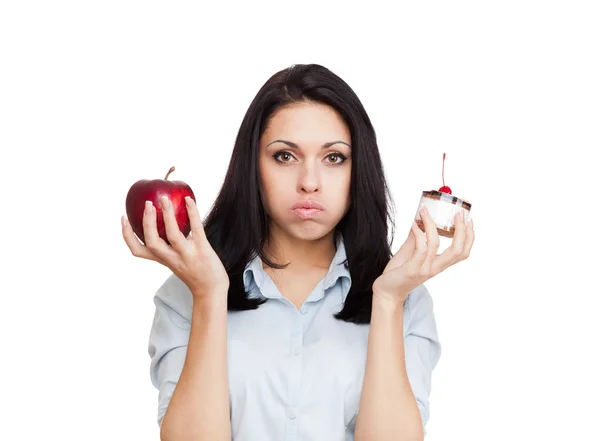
(441,210)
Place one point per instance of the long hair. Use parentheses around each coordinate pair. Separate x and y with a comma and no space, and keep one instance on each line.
(237,225)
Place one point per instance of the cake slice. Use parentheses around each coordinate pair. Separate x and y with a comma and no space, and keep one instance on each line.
(442,207)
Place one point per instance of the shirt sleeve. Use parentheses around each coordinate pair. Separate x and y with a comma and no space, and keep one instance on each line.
(169,336)
(422,347)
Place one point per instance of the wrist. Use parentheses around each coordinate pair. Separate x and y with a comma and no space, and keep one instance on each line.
(209,300)
(388,301)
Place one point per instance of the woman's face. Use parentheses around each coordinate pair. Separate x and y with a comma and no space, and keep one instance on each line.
(305,155)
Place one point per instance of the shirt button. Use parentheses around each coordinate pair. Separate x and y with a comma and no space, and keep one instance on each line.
(291,414)
(304,310)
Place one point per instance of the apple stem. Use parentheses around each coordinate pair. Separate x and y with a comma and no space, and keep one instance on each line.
(443,162)
(171,170)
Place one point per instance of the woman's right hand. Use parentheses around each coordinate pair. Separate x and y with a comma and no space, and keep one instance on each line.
(192,259)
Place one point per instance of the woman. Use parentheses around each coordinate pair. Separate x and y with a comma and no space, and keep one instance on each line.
(286,316)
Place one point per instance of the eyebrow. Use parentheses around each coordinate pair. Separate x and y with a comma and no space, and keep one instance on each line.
(295,146)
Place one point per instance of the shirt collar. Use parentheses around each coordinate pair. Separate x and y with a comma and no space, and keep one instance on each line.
(254,271)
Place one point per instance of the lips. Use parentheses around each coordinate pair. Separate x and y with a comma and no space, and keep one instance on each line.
(308,205)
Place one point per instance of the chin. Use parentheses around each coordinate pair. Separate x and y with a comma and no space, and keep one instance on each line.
(315,234)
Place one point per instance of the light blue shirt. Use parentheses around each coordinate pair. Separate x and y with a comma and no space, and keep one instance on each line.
(294,375)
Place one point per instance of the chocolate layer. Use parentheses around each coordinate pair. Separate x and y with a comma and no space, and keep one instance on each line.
(446,231)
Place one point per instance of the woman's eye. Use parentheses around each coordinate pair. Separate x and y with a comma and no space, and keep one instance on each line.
(337,155)
(280,155)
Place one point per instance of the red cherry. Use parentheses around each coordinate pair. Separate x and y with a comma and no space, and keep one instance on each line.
(444,189)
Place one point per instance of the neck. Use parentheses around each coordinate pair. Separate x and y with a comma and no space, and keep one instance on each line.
(299,253)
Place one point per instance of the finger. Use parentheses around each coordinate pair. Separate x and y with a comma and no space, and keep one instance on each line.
(433,238)
(415,263)
(153,241)
(453,253)
(174,234)
(403,254)
(196,228)
(135,246)
(469,240)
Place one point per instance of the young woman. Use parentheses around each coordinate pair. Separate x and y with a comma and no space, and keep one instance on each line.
(286,316)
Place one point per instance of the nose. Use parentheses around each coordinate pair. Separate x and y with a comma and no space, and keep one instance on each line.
(308,181)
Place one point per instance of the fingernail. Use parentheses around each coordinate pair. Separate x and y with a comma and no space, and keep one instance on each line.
(424,211)
(148,209)
(165,202)
(464,215)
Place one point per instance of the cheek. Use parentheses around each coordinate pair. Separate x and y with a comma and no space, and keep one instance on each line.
(274,186)
(341,190)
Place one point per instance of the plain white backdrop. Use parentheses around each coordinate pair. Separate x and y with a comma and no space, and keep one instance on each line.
(97,95)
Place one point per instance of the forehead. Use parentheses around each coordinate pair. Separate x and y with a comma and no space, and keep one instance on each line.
(306,123)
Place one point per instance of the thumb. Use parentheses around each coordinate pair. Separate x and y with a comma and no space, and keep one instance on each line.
(403,254)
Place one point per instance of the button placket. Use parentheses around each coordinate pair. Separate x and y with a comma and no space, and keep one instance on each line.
(295,380)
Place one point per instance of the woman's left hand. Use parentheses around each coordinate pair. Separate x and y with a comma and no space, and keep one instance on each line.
(417,260)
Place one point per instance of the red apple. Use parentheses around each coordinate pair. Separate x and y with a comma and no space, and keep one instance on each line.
(152,190)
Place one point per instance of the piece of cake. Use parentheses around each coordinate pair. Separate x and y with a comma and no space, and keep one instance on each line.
(442,207)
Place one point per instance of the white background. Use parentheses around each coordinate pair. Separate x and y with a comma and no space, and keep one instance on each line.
(96,95)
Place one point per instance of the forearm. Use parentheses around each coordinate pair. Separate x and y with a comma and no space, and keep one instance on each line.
(199,407)
(388,408)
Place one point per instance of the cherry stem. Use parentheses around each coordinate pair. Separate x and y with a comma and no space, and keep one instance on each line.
(171,170)
(443,162)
